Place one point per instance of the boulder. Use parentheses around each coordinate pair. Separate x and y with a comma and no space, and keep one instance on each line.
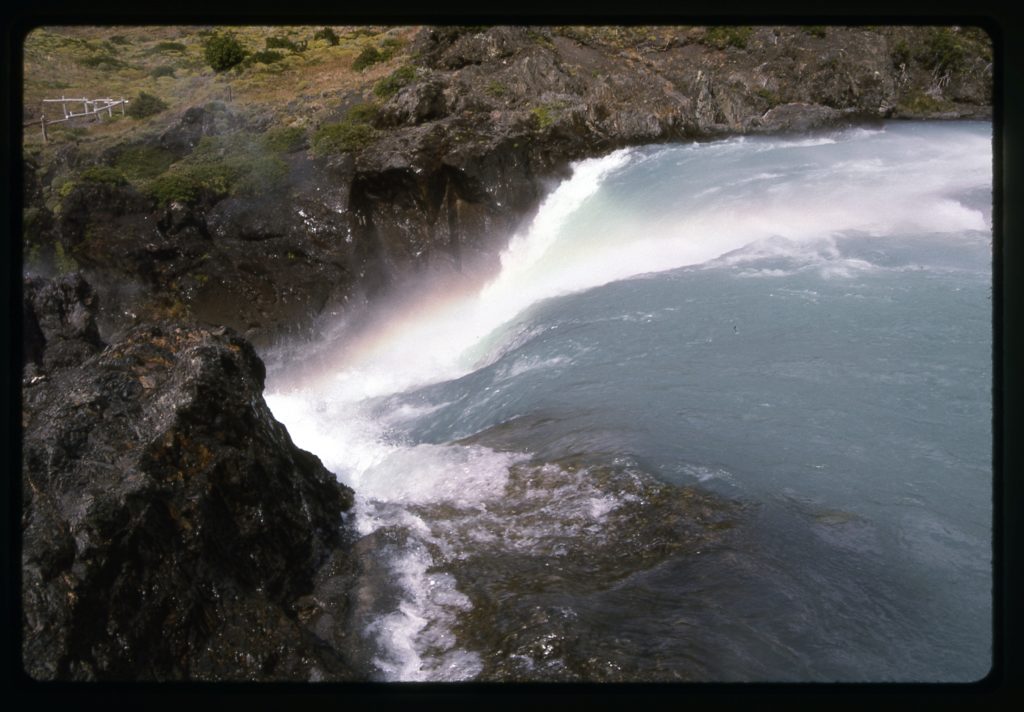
(59,322)
(169,523)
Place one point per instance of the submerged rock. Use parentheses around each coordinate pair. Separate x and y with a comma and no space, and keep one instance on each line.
(169,523)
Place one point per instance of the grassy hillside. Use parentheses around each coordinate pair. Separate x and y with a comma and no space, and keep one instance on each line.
(287,85)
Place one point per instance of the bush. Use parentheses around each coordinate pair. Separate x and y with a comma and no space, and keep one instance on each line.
(169,47)
(362,113)
(238,163)
(64,262)
(943,50)
(145,105)
(102,174)
(341,137)
(285,43)
(815,30)
(349,134)
(369,56)
(327,34)
(728,36)
(143,162)
(543,116)
(769,96)
(285,139)
(900,54)
(497,89)
(222,52)
(921,103)
(162,71)
(389,85)
(120,40)
(175,187)
(267,56)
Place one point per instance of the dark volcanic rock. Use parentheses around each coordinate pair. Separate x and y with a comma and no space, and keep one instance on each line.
(169,523)
(59,319)
(195,123)
(461,154)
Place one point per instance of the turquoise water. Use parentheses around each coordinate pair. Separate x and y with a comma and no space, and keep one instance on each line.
(724,414)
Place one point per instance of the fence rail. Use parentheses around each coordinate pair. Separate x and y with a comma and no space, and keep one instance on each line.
(90,107)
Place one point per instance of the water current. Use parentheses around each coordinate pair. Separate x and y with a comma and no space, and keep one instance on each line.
(723,414)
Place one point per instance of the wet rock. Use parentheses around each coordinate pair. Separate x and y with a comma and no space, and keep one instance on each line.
(169,524)
(415,104)
(59,321)
(461,156)
(196,122)
(799,117)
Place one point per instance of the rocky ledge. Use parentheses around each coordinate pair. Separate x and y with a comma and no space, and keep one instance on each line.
(433,165)
(171,529)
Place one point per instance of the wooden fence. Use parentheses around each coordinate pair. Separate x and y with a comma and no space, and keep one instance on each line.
(90,107)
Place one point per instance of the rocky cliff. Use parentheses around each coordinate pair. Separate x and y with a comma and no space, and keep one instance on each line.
(441,152)
(171,529)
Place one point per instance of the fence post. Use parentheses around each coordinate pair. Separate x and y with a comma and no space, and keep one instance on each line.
(42,124)
(64,106)
(122,106)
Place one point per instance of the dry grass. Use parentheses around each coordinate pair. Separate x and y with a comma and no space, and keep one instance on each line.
(118,61)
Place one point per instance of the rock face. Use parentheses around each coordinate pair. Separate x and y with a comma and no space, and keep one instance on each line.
(171,530)
(461,154)
(59,321)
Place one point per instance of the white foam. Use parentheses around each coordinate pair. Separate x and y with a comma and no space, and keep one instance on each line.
(581,238)
(422,622)
(461,475)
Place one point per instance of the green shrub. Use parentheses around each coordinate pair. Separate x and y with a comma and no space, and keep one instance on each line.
(285,43)
(64,262)
(327,34)
(496,89)
(768,95)
(169,47)
(120,40)
(143,162)
(543,115)
(102,174)
(350,134)
(65,188)
(267,56)
(362,113)
(145,105)
(728,36)
(539,38)
(390,46)
(239,163)
(162,71)
(223,51)
(815,30)
(389,85)
(344,136)
(900,54)
(175,187)
(921,103)
(943,50)
(369,56)
(285,139)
